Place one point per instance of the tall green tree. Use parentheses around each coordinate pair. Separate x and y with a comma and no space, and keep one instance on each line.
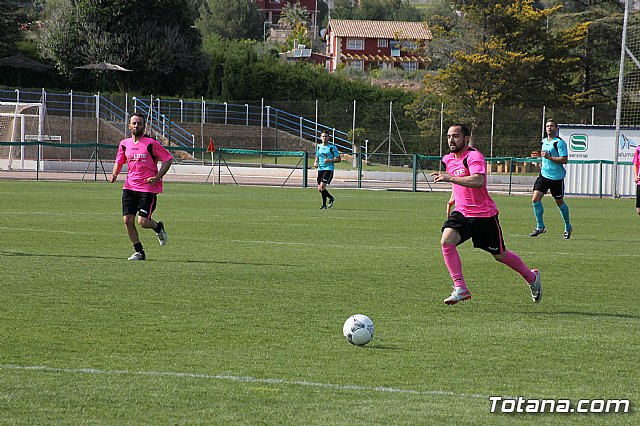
(377,10)
(231,19)
(10,17)
(154,38)
(513,61)
(294,14)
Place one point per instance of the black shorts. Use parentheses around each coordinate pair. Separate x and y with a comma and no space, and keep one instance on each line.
(555,186)
(325,176)
(134,202)
(638,197)
(485,232)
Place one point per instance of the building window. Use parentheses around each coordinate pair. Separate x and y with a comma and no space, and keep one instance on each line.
(382,42)
(395,48)
(409,45)
(359,65)
(410,66)
(355,44)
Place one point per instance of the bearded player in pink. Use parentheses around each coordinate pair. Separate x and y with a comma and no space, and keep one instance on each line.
(475,216)
(143,183)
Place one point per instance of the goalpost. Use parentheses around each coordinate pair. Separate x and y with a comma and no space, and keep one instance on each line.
(20,122)
(628,100)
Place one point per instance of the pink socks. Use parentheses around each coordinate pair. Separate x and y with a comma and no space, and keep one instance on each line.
(514,262)
(454,265)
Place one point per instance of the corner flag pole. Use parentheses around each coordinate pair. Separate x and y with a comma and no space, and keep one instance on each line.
(212,149)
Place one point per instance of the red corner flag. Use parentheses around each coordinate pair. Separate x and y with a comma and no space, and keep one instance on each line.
(211,147)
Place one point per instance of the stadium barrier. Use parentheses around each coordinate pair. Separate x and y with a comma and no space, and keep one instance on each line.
(407,172)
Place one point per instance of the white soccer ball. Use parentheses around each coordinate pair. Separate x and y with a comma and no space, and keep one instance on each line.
(358,329)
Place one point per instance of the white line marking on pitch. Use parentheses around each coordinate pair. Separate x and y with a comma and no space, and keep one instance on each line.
(316,244)
(244,379)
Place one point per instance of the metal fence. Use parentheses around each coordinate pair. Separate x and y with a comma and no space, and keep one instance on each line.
(370,128)
(408,172)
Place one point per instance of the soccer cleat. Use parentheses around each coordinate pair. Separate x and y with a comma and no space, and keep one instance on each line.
(331,202)
(162,235)
(567,233)
(323,207)
(139,255)
(536,287)
(537,231)
(457,295)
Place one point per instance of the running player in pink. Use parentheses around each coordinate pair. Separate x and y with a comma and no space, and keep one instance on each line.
(143,184)
(636,174)
(475,216)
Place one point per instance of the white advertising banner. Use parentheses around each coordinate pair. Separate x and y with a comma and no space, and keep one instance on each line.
(597,142)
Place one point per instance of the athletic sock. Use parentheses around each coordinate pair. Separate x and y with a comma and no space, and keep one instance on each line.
(564,211)
(328,195)
(538,211)
(138,247)
(454,265)
(324,197)
(514,262)
(158,227)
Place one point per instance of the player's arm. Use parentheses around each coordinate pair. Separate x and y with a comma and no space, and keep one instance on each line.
(337,158)
(450,204)
(559,160)
(473,181)
(116,171)
(166,165)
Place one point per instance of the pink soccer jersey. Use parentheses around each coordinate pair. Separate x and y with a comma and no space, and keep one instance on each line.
(636,159)
(471,202)
(142,161)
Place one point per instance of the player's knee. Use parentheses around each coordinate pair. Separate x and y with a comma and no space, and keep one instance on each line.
(500,257)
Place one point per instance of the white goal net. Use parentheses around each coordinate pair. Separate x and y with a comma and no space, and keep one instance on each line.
(20,122)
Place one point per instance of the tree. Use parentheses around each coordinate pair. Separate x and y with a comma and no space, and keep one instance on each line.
(300,33)
(152,37)
(231,19)
(10,17)
(377,10)
(513,61)
(294,14)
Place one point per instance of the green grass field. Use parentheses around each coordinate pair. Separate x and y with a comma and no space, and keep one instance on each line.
(238,320)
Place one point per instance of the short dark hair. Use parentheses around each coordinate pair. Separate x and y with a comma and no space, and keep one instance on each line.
(463,127)
(551,120)
(135,114)
(324,133)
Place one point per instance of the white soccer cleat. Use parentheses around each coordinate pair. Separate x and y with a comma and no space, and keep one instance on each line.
(536,287)
(457,295)
(137,256)
(162,235)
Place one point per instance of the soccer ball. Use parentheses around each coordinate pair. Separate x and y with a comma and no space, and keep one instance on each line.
(358,329)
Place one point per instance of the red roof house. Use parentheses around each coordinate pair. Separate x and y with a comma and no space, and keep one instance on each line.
(377,44)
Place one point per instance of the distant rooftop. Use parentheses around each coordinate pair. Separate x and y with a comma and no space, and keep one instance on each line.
(380,29)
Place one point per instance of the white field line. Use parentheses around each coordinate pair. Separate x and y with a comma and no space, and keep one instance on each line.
(297,243)
(244,379)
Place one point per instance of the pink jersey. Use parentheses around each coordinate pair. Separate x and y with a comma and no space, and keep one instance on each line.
(636,160)
(471,202)
(142,160)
